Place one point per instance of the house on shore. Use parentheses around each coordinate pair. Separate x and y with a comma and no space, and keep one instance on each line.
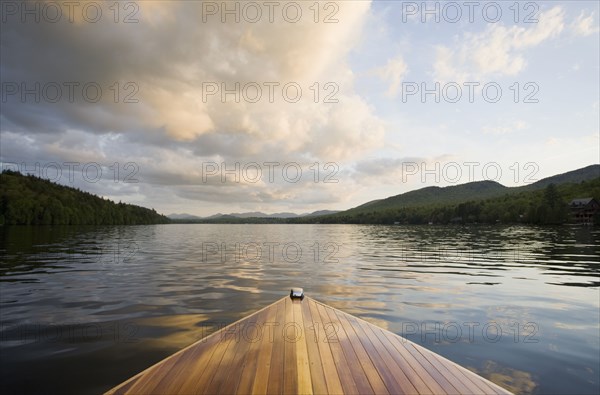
(583,210)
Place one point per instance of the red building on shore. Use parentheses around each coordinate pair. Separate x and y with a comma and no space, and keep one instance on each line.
(583,210)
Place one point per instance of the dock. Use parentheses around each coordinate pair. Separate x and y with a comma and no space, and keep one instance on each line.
(302,346)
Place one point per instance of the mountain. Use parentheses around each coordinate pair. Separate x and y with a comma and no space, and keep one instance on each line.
(30,200)
(258,214)
(483,201)
(247,215)
(183,216)
(320,212)
(435,195)
(472,190)
(283,215)
(575,176)
(542,202)
(218,215)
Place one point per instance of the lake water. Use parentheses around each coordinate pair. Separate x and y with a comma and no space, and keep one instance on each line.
(84,308)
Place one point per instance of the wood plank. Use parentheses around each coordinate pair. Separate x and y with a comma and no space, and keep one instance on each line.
(398,343)
(316,367)
(263,365)
(304,379)
(294,346)
(220,361)
(223,348)
(370,370)
(430,367)
(388,376)
(275,382)
(464,375)
(481,381)
(159,372)
(123,388)
(399,376)
(457,380)
(190,364)
(150,377)
(332,379)
(290,366)
(205,364)
(250,369)
(403,364)
(192,378)
(249,335)
(358,374)
(339,359)
(474,376)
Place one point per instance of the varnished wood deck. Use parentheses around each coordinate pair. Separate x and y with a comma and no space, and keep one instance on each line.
(302,347)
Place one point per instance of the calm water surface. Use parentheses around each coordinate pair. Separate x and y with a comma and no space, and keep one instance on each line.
(83,308)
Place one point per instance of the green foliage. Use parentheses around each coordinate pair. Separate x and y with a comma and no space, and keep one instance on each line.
(572,177)
(30,200)
(457,194)
(435,195)
(542,206)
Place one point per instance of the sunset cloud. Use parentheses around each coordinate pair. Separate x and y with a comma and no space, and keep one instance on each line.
(161,88)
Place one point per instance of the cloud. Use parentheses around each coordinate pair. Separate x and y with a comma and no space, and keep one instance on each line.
(393,73)
(154,108)
(168,59)
(496,51)
(166,69)
(584,25)
(404,171)
(507,128)
(122,171)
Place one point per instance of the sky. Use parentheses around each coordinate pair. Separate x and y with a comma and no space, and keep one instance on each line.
(221,107)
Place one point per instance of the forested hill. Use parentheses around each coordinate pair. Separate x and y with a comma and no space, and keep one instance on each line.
(30,200)
(435,195)
(473,190)
(544,202)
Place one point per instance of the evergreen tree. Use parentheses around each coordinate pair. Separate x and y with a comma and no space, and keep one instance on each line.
(30,200)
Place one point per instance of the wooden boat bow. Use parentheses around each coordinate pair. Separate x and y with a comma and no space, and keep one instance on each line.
(298,345)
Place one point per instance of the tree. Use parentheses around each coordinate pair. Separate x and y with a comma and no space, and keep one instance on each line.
(30,200)
(551,196)
(556,210)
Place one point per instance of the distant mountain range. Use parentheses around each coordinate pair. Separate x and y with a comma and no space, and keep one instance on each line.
(472,190)
(483,201)
(29,200)
(425,197)
(253,214)
(576,176)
